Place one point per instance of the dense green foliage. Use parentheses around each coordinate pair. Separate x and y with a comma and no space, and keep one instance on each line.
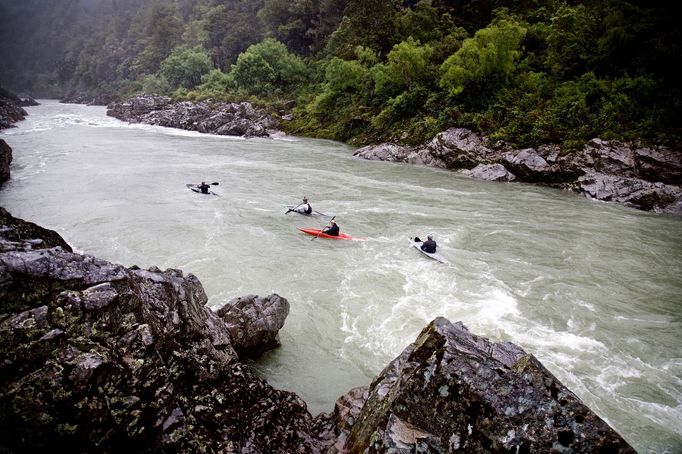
(526,72)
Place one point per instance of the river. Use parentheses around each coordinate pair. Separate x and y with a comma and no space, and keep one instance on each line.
(591,289)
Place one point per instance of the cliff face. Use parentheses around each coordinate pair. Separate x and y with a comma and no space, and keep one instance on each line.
(642,178)
(96,357)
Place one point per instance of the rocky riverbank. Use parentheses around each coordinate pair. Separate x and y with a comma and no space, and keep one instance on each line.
(98,357)
(231,119)
(96,99)
(11,108)
(642,178)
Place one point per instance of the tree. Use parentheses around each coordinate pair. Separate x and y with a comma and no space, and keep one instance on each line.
(291,22)
(184,66)
(571,41)
(267,69)
(408,65)
(484,59)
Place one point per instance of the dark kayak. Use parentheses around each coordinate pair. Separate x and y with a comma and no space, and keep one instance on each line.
(196,189)
(436,256)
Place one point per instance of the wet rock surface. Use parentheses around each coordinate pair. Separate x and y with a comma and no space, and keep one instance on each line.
(11,110)
(234,119)
(253,323)
(638,177)
(5,161)
(451,391)
(96,357)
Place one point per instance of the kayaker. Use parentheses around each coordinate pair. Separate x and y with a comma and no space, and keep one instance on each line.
(204,187)
(303,208)
(429,245)
(332,229)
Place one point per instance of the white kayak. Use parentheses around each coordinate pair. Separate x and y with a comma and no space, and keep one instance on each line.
(314,213)
(436,256)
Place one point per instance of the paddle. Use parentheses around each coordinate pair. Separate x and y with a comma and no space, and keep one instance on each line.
(318,233)
(292,209)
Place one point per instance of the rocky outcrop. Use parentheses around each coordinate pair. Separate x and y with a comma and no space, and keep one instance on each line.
(17,230)
(451,391)
(253,323)
(642,178)
(10,109)
(90,99)
(29,101)
(96,357)
(233,119)
(5,161)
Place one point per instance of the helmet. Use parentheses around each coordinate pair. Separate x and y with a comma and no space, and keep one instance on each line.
(333,221)
(305,199)
(429,237)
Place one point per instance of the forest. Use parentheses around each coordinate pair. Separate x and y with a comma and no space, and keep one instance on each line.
(526,72)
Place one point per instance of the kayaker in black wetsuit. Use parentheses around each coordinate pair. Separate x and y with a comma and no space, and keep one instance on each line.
(332,230)
(429,245)
(204,187)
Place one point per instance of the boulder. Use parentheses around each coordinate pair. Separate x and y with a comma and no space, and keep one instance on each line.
(489,172)
(527,164)
(454,391)
(10,109)
(29,101)
(659,164)
(253,323)
(384,152)
(632,192)
(459,148)
(5,161)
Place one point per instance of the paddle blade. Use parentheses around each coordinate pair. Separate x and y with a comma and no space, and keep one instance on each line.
(215,183)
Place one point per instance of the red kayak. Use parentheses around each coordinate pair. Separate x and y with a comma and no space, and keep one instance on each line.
(317,232)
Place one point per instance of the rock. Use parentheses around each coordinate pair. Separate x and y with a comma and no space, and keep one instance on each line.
(253,323)
(659,164)
(459,148)
(10,109)
(454,391)
(489,172)
(17,230)
(206,116)
(527,164)
(5,161)
(632,192)
(29,101)
(384,152)
(95,357)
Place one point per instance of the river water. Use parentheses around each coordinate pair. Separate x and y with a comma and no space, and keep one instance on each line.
(591,289)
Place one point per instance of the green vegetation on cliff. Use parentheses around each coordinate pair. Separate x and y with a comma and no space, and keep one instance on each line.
(359,71)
